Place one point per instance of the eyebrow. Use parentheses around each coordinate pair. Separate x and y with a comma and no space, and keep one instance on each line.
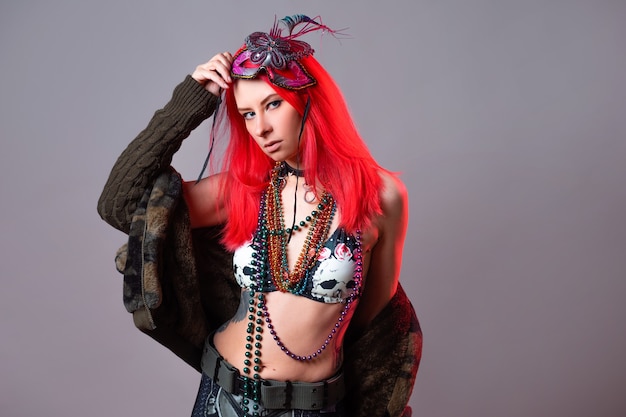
(266,100)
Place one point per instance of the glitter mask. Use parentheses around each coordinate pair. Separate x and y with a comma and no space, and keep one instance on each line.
(279,54)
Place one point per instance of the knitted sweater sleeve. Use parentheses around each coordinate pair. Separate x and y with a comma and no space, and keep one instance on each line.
(151,152)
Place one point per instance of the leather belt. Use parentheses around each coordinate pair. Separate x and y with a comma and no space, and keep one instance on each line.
(274,394)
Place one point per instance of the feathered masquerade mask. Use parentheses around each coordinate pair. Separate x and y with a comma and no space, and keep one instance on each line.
(279,54)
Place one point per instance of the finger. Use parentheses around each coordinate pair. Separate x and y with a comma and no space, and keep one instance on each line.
(229,57)
(224,57)
(216,77)
(206,73)
(216,70)
(222,63)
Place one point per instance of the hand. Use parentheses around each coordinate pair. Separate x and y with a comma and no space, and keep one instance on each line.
(215,74)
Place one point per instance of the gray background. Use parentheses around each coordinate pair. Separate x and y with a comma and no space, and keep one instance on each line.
(506,119)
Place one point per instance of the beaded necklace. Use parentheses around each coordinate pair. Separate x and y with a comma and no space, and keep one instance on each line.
(270,263)
(320,222)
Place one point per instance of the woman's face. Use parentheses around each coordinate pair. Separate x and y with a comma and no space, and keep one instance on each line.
(273,123)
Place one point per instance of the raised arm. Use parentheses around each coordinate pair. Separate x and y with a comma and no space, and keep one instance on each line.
(151,152)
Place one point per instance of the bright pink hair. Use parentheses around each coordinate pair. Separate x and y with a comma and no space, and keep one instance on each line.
(333,154)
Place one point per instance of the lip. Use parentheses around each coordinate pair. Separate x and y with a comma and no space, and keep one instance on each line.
(272,146)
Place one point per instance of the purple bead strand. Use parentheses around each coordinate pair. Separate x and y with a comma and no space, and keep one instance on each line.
(356,292)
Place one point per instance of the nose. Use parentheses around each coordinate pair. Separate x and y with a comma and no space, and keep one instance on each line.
(261,125)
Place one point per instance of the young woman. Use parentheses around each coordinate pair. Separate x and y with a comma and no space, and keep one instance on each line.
(315,225)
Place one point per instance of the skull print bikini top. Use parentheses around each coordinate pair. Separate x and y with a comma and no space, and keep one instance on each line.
(329,280)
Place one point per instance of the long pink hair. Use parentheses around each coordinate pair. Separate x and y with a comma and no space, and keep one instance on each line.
(333,153)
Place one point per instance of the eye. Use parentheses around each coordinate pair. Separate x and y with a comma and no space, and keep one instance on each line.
(248,115)
(274,104)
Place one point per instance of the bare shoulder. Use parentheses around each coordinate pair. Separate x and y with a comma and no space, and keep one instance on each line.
(205,200)
(394,197)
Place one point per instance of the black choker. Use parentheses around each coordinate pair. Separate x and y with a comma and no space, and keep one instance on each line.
(288,169)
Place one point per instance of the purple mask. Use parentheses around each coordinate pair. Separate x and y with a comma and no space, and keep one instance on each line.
(278,55)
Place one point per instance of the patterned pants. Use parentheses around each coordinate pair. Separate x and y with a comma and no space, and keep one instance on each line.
(214,401)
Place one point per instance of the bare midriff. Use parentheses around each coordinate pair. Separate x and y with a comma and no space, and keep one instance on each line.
(303,325)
